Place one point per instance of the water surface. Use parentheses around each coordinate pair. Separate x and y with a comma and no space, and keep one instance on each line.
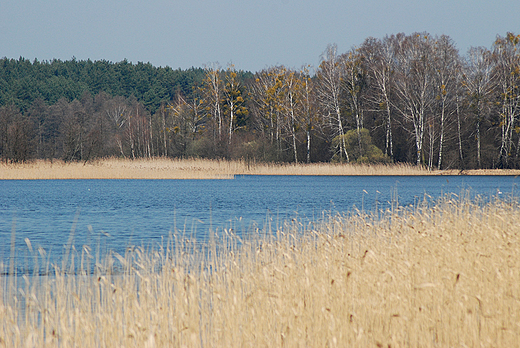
(116,213)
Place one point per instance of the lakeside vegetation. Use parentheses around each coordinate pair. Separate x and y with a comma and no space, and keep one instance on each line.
(166,168)
(399,99)
(441,273)
(437,274)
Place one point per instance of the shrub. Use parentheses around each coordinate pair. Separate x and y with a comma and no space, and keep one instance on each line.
(359,147)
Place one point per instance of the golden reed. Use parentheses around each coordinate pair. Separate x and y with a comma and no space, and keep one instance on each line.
(163,168)
(433,275)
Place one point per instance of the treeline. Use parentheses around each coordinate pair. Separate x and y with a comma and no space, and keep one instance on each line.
(403,98)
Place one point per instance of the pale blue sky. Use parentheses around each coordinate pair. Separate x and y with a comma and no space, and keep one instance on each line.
(251,34)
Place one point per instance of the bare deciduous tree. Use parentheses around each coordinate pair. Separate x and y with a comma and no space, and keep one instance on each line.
(447,68)
(478,83)
(415,84)
(379,59)
(330,75)
(506,54)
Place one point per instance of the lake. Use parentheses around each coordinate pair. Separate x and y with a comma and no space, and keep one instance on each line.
(118,213)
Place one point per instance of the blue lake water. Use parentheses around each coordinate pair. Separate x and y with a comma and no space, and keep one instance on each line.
(123,212)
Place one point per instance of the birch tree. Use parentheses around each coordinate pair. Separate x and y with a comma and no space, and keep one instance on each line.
(268,95)
(447,68)
(379,60)
(329,89)
(415,84)
(308,107)
(233,98)
(187,122)
(478,84)
(212,91)
(354,81)
(292,88)
(507,73)
(118,114)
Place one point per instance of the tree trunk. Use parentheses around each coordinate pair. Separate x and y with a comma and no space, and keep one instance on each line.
(461,157)
(308,145)
(342,146)
(441,140)
(389,142)
(231,116)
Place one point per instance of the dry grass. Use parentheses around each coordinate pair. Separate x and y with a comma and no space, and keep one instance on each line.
(439,276)
(157,168)
(162,168)
(333,169)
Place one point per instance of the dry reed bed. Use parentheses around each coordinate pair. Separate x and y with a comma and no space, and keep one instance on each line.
(441,275)
(162,168)
(157,168)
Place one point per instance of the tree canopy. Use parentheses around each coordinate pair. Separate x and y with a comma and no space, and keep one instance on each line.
(23,81)
(401,98)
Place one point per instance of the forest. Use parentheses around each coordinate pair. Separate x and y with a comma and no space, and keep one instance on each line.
(398,99)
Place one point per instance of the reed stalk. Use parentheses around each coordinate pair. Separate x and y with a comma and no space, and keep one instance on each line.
(436,274)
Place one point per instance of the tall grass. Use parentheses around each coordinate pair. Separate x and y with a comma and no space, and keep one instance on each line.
(163,168)
(441,274)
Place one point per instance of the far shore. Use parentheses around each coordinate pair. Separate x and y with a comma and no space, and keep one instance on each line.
(165,168)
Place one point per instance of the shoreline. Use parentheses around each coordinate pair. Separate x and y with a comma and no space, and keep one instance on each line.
(165,168)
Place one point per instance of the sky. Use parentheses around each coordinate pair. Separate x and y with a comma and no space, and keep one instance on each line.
(251,34)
